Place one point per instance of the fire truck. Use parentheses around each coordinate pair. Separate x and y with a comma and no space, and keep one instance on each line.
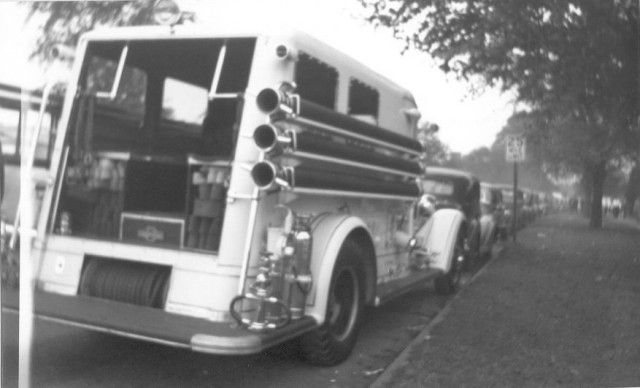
(227,191)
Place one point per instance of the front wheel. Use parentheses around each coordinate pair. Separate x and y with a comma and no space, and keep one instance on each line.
(449,282)
(333,341)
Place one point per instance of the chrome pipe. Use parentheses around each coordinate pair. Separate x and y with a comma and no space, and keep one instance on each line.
(281,100)
(270,139)
(268,176)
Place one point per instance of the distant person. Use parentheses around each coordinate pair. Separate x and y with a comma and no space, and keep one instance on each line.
(633,188)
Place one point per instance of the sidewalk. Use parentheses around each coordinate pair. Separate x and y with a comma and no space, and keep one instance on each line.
(560,307)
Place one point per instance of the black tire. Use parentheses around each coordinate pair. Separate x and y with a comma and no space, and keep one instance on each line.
(333,341)
(448,283)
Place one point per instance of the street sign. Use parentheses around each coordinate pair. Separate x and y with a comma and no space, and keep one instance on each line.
(515,146)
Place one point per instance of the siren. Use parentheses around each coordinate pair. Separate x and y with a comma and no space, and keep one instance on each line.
(60,51)
(271,139)
(166,12)
(284,52)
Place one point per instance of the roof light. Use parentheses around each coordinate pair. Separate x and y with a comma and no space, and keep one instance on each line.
(166,12)
(284,52)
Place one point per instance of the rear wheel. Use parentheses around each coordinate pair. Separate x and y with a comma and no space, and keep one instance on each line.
(333,341)
(448,283)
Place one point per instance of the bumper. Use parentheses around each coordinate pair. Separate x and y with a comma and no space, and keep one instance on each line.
(155,325)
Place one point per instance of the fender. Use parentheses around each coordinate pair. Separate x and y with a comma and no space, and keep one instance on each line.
(439,237)
(329,232)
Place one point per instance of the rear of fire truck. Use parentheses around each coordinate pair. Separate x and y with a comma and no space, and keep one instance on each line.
(167,219)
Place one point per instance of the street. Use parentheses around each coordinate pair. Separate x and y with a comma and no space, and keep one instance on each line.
(70,357)
(386,351)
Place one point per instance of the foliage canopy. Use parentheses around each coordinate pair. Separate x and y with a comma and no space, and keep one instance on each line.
(574,63)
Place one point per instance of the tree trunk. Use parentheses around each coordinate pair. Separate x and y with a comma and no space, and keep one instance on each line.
(598,174)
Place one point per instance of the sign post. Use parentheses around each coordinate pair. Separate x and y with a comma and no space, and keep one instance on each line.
(515,152)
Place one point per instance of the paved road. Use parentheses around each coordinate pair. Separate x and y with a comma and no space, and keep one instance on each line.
(71,357)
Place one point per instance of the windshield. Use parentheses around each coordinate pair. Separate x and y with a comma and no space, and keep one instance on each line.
(437,187)
(157,96)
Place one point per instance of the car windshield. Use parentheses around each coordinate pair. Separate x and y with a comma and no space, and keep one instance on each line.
(438,187)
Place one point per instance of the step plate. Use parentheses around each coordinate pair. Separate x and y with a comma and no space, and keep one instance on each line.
(155,325)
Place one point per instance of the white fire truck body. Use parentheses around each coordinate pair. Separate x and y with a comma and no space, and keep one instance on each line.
(307,209)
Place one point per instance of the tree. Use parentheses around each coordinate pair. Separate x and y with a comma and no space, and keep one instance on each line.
(573,63)
(436,152)
(67,20)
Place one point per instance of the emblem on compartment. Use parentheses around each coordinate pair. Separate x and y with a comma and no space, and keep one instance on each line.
(151,234)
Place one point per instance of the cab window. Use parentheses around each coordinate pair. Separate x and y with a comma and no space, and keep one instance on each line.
(13,116)
(363,101)
(316,81)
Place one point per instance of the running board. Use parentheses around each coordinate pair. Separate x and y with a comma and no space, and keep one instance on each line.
(155,325)
(395,288)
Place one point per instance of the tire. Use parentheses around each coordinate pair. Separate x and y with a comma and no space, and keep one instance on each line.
(448,283)
(333,341)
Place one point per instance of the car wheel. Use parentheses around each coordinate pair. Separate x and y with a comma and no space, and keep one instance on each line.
(333,341)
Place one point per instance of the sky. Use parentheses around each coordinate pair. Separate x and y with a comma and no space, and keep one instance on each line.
(466,122)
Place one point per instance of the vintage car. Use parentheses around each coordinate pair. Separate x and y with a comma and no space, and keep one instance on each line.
(457,189)
(507,198)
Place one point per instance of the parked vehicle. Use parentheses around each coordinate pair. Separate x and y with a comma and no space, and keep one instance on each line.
(19,107)
(457,189)
(507,198)
(228,190)
(493,220)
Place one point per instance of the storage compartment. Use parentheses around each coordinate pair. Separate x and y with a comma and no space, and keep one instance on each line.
(124,281)
(208,200)
(156,186)
(160,201)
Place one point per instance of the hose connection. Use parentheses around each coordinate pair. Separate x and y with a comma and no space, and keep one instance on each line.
(279,291)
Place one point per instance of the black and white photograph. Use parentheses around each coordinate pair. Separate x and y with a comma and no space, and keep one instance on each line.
(320,193)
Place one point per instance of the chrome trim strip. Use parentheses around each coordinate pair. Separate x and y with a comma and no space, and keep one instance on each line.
(57,189)
(216,75)
(246,255)
(357,194)
(225,95)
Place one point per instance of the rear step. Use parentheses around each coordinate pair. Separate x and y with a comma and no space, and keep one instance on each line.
(155,325)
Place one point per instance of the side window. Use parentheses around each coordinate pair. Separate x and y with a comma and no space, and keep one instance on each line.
(43,146)
(10,122)
(316,81)
(184,106)
(363,101)
(9,128)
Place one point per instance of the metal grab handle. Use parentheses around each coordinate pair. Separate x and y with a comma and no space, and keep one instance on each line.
(261,321)
(28,162)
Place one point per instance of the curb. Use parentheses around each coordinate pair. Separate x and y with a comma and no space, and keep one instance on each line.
(385,379)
